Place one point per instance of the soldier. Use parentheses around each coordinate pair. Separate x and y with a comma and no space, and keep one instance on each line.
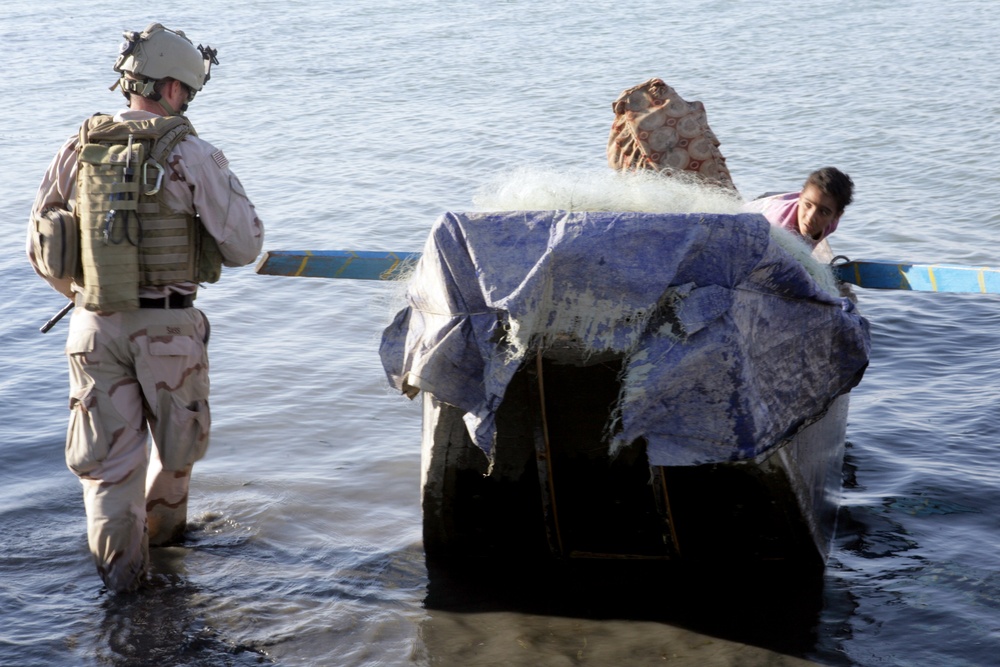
(132,215)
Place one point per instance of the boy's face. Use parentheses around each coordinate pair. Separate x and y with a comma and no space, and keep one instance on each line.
(817,211)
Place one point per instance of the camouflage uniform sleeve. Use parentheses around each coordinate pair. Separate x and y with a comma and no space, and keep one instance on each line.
(201,183)
(58,188)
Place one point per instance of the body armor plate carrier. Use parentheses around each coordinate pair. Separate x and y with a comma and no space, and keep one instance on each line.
(129,237)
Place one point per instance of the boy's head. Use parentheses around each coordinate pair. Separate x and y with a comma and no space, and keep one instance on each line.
(835,183)
(825,195)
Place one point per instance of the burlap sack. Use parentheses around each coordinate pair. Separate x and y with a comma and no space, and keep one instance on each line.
(655,128)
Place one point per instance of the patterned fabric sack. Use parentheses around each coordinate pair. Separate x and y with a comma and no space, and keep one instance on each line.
(655,128)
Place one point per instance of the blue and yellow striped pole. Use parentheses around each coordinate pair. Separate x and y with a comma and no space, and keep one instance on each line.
(355,264)
(869,274)
(884,274)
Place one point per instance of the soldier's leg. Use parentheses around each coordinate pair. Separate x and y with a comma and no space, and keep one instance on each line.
(116,529)
(106,447)
(173,372)
(166,501)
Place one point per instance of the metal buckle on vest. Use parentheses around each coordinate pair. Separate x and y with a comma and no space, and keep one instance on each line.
(159,177)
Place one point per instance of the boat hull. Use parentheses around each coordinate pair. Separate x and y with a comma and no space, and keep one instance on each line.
(553,491)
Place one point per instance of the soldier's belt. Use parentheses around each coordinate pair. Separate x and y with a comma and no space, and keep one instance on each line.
(174,300)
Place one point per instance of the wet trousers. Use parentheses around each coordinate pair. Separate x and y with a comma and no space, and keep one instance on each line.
(136,376)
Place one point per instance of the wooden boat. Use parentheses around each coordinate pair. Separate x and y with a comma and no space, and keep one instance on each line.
(553,490)
(550,483)
(549,486)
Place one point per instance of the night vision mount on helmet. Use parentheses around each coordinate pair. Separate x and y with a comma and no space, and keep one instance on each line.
(159,53)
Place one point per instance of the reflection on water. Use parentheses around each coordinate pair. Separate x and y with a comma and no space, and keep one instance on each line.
(897,580)
(578,612)
(476,611)
(165,624)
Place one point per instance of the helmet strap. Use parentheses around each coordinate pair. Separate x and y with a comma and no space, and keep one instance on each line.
(147,88)
(141,87)
(166,107)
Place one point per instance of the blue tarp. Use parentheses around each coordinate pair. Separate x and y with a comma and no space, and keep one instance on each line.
(728,344)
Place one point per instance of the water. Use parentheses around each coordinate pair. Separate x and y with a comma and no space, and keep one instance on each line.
(353,126)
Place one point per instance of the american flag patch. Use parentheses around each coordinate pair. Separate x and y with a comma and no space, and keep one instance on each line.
(220,159)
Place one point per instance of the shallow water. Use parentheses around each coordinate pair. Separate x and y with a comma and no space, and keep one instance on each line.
(353,127)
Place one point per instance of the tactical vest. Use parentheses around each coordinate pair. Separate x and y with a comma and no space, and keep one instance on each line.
(129,237)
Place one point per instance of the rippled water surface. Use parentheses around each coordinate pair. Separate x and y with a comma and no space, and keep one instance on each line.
(352,126)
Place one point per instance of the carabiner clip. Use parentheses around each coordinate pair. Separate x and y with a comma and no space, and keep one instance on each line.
(159,177)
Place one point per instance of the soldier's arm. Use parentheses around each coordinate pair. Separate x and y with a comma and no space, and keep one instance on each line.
(218,198)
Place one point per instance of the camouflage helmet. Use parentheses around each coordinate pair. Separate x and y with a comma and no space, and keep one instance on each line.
(158,53)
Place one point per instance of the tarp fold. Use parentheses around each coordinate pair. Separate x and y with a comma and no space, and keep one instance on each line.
(728,344)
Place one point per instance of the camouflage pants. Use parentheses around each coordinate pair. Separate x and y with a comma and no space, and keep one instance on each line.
(134,375)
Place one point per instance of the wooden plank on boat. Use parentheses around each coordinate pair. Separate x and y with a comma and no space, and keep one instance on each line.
(885,274)
(870,274)
(356,264)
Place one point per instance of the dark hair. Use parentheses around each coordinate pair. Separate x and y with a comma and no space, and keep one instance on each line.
(158,91)
(835,183)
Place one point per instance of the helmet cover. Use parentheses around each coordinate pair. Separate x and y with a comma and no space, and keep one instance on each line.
(157,53)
